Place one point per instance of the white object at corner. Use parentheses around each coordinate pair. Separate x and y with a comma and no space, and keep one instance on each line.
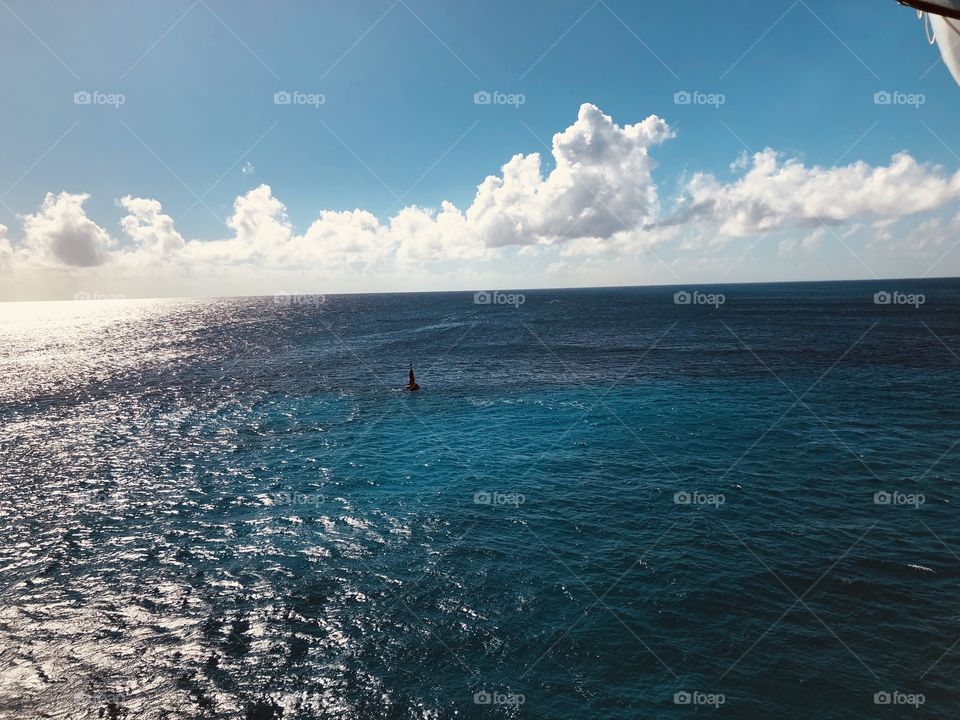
(944,19)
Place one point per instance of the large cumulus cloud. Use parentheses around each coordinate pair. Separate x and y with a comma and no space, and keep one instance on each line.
(602,184)
(599,200)
(774,193)
(60,233)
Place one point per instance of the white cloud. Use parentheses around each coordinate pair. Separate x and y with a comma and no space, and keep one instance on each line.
(343,239)
(260,222)
(60,233)
(786,247)
(601,184)
(775,193)
(601,189)
(809,244)
(152,232)
(424,237)
(6,250)
(934,233)
(262,234)
(741,163)
(599,204)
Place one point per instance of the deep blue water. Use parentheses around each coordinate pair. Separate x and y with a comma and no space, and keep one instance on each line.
(229,508)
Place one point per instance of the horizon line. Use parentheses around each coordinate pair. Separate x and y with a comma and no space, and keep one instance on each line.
(120,297)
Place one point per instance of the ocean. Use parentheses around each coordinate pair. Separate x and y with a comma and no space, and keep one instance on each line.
(735,500)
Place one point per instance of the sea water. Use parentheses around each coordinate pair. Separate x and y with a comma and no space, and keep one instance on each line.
(736,500)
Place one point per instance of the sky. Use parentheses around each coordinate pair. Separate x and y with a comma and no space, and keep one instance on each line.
(207,147)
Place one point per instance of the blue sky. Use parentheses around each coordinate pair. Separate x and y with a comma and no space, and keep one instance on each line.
(399,126)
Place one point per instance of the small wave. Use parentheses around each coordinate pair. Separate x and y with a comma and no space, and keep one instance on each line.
(440,326)
(353,522)
(922,568)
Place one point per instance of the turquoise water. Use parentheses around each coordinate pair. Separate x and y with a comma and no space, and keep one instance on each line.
(601,504)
